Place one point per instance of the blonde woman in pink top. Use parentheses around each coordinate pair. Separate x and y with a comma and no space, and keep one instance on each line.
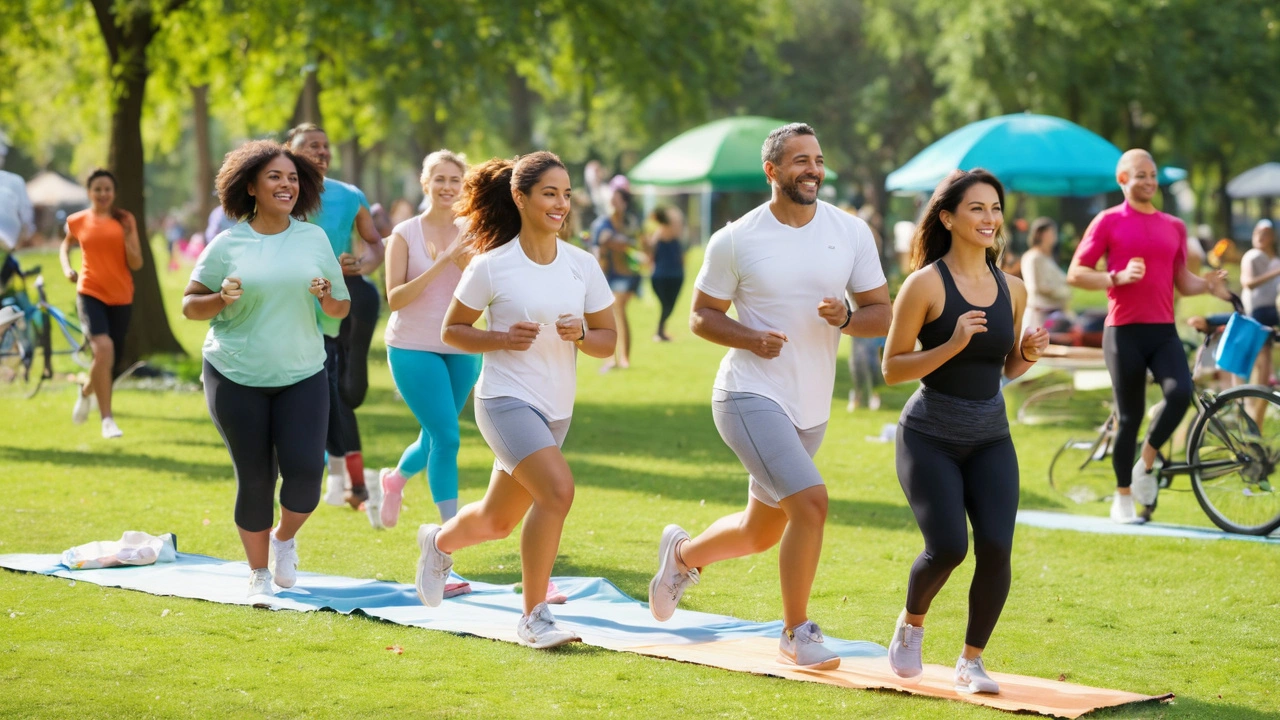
(425,258)
(1145,252)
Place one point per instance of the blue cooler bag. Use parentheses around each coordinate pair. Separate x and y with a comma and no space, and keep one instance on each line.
(1240,344)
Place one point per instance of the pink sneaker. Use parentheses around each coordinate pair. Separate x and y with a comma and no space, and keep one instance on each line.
(554,596)
(456,589)
(392,483)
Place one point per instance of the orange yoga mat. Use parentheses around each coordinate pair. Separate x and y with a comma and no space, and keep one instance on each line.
(1018,693)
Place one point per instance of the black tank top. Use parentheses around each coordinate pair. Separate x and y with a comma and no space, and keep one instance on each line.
(974,373)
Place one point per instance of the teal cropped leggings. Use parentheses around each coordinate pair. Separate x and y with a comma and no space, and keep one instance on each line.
(435,387)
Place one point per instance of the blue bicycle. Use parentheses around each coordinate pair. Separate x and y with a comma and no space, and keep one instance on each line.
(26,327)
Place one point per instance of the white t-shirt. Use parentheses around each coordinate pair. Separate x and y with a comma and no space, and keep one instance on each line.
(511,288)
(777,276)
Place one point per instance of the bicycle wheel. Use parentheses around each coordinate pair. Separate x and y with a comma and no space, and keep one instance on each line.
(1233,461)
(77,343)
(1081,469)
(16,352)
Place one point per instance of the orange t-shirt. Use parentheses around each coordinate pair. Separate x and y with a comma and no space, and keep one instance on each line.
(104,271)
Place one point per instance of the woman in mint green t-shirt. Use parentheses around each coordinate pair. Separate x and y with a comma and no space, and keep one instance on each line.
(264,375)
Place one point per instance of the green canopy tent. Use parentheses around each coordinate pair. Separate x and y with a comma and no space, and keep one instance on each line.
(721,156)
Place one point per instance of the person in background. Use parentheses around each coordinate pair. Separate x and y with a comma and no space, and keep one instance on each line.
(264,378)
(1260,280)
(344,209)
(1047,288)
(109,253)
(615,236)
(17,217)
(666,247)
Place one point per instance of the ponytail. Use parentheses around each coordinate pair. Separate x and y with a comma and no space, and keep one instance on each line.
(492,217)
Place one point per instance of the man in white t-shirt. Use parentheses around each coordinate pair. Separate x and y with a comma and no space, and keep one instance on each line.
(790,267)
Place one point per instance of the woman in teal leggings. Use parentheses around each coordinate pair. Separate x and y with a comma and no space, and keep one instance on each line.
(425,257)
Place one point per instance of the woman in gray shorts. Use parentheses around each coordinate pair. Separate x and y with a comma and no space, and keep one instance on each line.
(543,300)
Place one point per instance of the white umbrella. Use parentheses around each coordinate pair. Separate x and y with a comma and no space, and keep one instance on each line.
(49,189)
(1262,181)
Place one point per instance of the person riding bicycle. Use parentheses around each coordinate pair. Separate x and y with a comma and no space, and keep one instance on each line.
(1145,252)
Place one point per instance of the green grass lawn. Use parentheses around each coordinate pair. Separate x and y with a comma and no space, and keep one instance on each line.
(1141,614)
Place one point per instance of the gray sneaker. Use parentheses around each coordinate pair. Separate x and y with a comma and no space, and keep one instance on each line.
(673,578)
(539,630)
(905,650)
(1145,484)
(971,677)
(433,567)
(803,647)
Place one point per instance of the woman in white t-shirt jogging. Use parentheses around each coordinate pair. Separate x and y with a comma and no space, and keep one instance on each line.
(789,268)
(543,301)
(425,258)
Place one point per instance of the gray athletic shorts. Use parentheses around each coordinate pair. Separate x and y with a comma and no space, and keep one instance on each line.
(514,430)
(778,455)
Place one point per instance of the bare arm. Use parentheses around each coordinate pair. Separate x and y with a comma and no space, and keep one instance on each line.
(64,255)
(709,320)
(371,256)
(902,362)
(458,330)
(132,245)
(600,336)
(874,313)
(1249,280)
(1188,283)
(1027,350)
(201,303)
(400,290)
(322,289)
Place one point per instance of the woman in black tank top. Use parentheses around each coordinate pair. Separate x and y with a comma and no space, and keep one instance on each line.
(955,458)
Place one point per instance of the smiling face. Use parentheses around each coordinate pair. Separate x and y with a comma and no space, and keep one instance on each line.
(547,204)
(314,146)
(799,174)
(445,184)
(977,219)
(102,193)
(276,187)
(1137,176)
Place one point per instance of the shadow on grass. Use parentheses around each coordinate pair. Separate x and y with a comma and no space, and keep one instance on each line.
(144,463)
(1190,708)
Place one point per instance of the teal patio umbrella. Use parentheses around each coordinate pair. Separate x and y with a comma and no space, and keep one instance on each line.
(1033,154)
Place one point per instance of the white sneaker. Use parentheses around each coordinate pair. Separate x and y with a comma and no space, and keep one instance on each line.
(668,586)
(260,587)
(433,567)
(84,405)
(8,315)
(1145,483)
(282,561)
(905,650)
(373,506)
(538,630)
(336,490)
(110,430)
(803,647)
(1122,510)
(971,677)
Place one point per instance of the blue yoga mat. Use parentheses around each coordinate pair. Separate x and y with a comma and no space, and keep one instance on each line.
(1104,526)
(601,613)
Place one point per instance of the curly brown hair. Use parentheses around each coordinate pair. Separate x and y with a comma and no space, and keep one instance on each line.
(486,203)
(241,167)
(933,240)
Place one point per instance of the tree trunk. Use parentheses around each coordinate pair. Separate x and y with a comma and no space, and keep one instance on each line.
(127,42)
(307,109)
(522,99)
(205,200)
(1224,200)
(352,162)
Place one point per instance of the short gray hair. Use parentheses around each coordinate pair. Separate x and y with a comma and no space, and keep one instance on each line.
(772,150)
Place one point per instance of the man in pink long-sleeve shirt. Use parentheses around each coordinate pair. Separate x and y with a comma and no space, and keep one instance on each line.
(1146,259)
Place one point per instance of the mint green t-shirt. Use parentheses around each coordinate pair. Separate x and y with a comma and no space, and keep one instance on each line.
(269,337)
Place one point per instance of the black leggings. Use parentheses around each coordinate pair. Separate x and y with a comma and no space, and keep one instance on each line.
(1132,350)
(667,289)
(354,337)
(343,434)
(269,432)
(943,482)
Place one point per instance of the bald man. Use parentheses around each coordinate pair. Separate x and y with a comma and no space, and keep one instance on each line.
(1146,258)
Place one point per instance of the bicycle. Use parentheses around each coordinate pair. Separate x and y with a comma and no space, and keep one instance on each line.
(1231,460)
(33,330)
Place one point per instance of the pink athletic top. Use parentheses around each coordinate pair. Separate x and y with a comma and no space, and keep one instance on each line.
(1120,234)
(416,326)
